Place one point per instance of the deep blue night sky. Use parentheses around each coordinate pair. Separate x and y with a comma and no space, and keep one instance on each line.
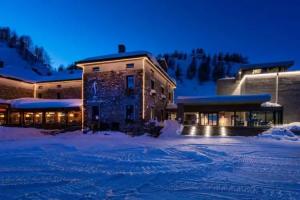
(265,30)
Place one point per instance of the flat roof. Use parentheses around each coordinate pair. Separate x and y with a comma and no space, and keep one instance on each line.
(224,100)
(286,64)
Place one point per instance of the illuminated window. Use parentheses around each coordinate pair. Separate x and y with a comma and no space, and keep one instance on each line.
(38,118)
(15,118)
(28,118)
(2,119)
(50,118)
(256,71)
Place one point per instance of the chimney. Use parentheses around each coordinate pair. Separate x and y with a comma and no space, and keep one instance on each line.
(121,48)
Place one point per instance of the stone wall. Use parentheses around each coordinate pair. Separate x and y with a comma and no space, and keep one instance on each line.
(107,90)
(156,103)
(12,89)
(66,90)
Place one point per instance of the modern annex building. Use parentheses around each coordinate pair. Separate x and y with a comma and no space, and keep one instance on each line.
(134,87)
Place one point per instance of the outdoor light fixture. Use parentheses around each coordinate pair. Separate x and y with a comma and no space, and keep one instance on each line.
(71,115)
(193,130)
(223,131)
(207,131)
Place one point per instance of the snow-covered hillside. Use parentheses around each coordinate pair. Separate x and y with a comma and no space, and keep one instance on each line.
(14,66)
(179,64)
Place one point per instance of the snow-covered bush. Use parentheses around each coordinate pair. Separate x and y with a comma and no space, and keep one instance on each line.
(286,132)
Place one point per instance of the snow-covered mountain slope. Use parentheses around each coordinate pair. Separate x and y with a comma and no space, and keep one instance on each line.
(194,87)
(14,66)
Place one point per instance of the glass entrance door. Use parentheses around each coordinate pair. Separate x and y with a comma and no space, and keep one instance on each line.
(210,119)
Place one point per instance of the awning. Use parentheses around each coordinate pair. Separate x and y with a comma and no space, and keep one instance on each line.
(224,100)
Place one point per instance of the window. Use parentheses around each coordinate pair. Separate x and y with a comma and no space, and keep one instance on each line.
(130,65)
(40,87)
(58,86)
(58,95)
(152,84)
(130,82)
(170,97)
(162,89)
(39,95)
(96,69)
(256,71)
(129,113)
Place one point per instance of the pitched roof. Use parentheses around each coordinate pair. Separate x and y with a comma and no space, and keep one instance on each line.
(126,55)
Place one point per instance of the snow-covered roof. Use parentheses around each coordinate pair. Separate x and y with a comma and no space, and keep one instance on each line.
(270,104)
(116,56)
(132,54)
(62,76)
(225,100)
(17,68)
(31,103)
(3,101)
(268,65)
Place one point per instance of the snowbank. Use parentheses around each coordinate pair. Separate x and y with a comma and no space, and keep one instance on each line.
(270,104)
(171,129)
(285,132)
(14,133)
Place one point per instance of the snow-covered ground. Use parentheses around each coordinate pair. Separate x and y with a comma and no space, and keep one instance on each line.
(112,165)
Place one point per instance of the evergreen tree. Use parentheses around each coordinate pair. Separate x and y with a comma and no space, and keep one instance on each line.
(204,70)
(13,40)
(178,72)
(60,68)
(219,71)
(192,68)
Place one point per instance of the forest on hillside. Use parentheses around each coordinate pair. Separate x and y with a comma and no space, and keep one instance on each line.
(28,51)
(199,65)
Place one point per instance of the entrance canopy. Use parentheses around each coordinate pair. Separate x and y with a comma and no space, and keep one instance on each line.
(225,100)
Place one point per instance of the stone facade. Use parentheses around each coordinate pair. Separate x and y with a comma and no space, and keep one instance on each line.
(287,89)
(61,89)
(107,91)
(13,89)
(156,99)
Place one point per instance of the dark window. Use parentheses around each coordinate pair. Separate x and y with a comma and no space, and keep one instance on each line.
(58,95)
(96,69)
(58,86)
(130,65)
(40,87)
(152,84)
(130,82)
(162,90)
(129,113)
(170,96)
(95,113)
(39,95)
